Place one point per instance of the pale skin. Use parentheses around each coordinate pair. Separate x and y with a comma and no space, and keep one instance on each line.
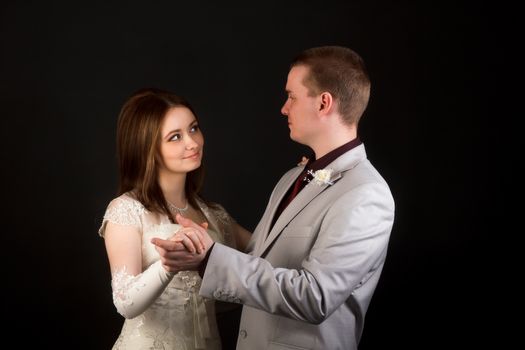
(314,121)
(181,149)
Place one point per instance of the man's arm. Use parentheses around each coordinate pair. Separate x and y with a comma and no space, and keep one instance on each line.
(349,250)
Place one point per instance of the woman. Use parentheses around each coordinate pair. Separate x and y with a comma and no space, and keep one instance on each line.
(160,148)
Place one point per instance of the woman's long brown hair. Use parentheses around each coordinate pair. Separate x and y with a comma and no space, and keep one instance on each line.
(138,144)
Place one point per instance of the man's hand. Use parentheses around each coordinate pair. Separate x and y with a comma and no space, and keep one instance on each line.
(186,249)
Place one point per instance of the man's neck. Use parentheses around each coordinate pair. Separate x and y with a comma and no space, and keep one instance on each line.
(332,140)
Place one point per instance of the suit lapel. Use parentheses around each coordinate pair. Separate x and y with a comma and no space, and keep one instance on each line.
(308,194)
(279,195)
(298,203)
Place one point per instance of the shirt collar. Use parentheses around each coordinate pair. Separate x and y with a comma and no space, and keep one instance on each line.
(332,155)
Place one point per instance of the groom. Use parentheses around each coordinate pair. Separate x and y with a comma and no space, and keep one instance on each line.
(316,256)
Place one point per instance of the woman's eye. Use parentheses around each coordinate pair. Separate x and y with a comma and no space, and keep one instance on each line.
(194,128)
(175,137)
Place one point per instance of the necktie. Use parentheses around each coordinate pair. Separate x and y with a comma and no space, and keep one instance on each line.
(298,186)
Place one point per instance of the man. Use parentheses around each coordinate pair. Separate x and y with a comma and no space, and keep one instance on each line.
(317,253)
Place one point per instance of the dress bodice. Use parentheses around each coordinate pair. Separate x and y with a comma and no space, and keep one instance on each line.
(179,318)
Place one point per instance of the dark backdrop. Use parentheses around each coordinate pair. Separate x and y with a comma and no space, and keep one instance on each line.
(66,68)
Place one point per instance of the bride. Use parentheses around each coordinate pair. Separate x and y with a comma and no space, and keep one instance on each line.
(160,148)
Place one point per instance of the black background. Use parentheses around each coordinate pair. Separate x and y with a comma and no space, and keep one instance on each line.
(67,67)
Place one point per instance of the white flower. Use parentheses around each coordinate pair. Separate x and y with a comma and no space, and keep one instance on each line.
(322,176)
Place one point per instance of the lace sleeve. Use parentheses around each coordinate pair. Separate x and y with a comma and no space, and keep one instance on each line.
(223,217)
(225,223)
(122,211)
(132,295)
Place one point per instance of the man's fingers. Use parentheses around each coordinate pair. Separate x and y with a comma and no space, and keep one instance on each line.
(168,244)
(179,260)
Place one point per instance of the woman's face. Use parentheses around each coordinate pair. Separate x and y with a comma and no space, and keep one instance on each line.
(181,141)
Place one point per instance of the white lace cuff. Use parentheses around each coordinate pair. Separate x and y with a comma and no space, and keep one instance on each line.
(132,295)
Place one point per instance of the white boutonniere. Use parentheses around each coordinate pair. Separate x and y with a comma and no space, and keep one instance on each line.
(321,176)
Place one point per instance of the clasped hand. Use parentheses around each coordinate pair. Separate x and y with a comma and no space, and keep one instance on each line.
(186,249)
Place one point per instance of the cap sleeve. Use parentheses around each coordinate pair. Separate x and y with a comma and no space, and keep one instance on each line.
(122,211)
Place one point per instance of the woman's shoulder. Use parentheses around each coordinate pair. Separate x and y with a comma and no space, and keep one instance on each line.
(126,203)
(123,210)
(127,199)
(215,210)
(207,205)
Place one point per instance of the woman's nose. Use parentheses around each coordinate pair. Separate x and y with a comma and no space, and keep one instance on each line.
(190,143)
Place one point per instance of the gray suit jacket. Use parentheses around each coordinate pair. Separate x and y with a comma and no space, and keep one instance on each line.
(308,281)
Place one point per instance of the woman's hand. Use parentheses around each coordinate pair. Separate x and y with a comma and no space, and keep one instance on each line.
(190,238)
(186,249)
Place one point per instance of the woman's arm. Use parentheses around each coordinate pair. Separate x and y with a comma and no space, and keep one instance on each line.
(134,290)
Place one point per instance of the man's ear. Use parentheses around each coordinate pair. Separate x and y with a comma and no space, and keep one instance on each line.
(326,102)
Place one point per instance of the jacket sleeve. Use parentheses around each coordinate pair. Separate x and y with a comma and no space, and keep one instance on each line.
(350,247)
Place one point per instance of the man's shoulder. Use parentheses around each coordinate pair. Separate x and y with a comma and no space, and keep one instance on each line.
(363,178)
(363,172)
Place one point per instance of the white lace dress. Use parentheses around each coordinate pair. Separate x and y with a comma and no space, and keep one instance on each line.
(179,318)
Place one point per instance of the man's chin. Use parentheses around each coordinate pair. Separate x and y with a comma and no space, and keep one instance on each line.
(294,137)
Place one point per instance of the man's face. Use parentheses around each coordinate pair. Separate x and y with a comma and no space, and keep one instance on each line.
(300,108)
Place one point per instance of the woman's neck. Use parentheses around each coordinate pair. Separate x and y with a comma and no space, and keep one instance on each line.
(173,188)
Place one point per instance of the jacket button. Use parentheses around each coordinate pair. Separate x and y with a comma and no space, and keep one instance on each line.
(243,333)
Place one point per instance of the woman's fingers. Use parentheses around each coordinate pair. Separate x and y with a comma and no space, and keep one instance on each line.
(191,239)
